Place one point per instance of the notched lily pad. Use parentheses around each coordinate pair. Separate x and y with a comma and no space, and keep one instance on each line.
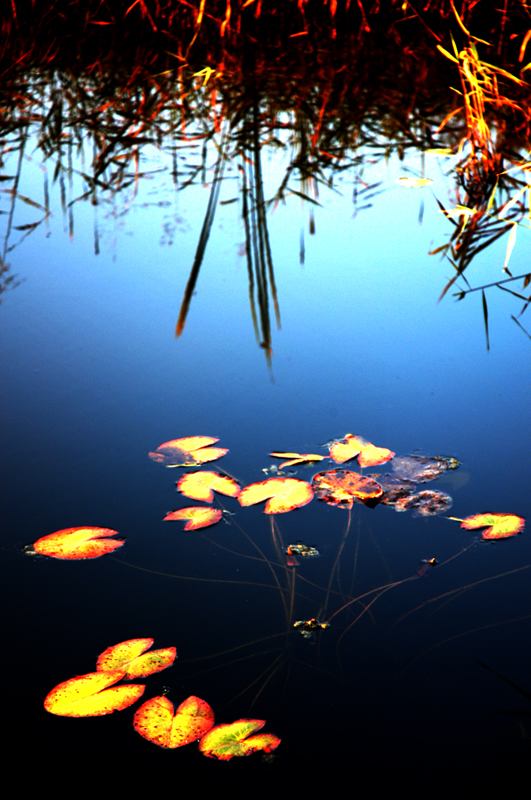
(341,487)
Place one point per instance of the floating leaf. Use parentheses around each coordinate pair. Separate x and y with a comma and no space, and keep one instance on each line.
(78,543)
(422,469)
(131,657)
(202,485)
(188,451)
(341,487)
(395,488)
(157,721)
(345,449)
(89,695)
(368,454)
(498,526)
(227,741)
(282,494)
(426,504)
(197,516)
(294,459)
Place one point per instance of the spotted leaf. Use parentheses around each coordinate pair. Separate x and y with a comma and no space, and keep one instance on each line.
(196,517)
(92,695)
(228,741)
(131,657)
(158,722)
(342,487)
(497,526)
(78,543)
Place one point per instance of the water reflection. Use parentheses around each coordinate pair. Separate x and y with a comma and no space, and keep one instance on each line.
(93,124)
(93,378)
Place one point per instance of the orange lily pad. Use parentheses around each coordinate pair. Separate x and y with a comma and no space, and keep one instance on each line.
(342,487)
(90,696)
(355,446)
(78,543)
(196,516)
(498,526)
(187,452)
(294,459)
(158,722)
(282,494)
(131,657)
(227,741)
(202,485)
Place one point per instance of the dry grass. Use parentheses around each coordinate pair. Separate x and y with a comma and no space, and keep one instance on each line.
(329,79)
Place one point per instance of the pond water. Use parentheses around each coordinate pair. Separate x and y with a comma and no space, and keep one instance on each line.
(94,378)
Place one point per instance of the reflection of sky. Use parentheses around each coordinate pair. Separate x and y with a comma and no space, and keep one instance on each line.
(364,344)
(93,378)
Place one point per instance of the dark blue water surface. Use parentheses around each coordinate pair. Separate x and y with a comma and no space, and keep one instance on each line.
(94,378)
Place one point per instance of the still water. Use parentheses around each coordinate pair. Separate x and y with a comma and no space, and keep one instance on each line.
(94,377)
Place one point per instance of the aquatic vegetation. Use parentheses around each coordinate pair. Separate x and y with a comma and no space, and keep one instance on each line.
(424,504)
(281,494)
(160,723)
(189,451)
(202,485)
(449,83)
(95,694)
(336,608)
(342,487)
(225,742)
(131,657)
(497,526)
(77,543)
(92,695)
(308,627)
(422,469)
(196,517)
(367,454)
(296,459)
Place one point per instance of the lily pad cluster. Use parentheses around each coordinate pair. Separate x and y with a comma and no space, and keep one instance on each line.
(99,693)
(104,691)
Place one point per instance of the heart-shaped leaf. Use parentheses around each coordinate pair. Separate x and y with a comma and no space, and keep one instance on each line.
(282,494)
(131,657)
(78,543)
(196,516)
(188,451)
(227,741)
(202,485)
(498,526)
(367,453)
(90,696)
(157,721)
(341,487)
